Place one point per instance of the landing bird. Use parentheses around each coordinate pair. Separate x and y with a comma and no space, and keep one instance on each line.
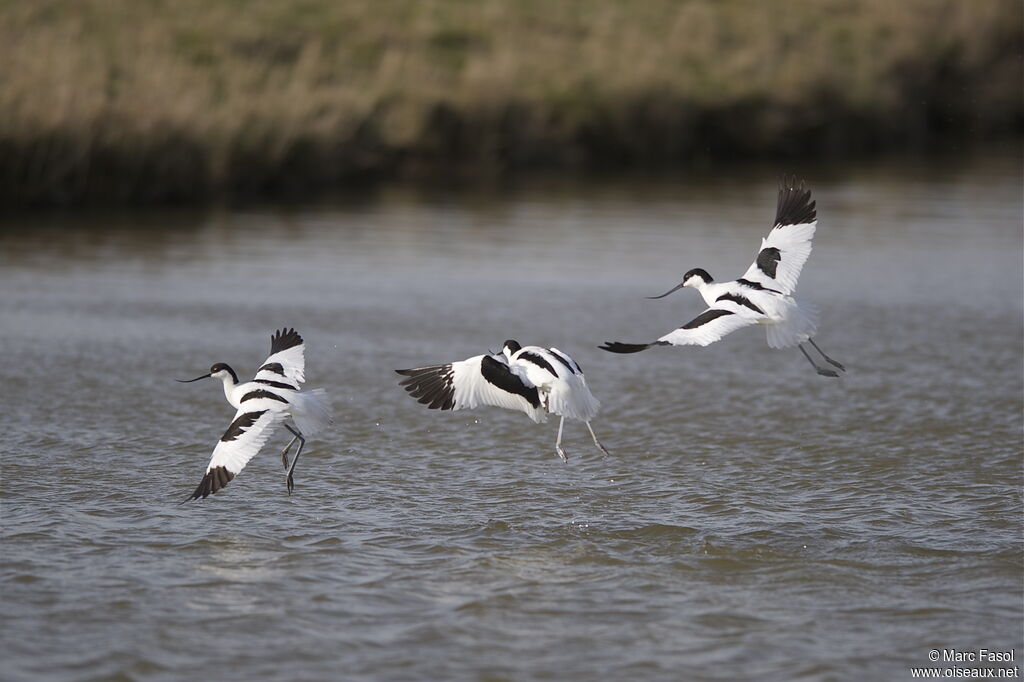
(531,379)
(763,295)
(263,403)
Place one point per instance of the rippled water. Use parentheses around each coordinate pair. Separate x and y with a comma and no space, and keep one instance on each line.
(755,521)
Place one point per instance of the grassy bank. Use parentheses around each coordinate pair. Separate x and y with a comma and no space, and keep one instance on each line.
(121,100)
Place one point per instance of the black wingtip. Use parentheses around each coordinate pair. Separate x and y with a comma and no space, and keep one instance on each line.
(212,483)
(431,386)
(283,339)
(616,347)
(795,206)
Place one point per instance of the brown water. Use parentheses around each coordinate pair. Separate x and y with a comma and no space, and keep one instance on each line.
(755,521)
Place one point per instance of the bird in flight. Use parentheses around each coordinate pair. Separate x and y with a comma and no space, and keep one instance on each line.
(262,404)
(764,295)
(533,380)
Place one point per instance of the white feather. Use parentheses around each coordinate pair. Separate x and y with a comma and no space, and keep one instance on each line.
(473,390)
(794,245)
(235,454)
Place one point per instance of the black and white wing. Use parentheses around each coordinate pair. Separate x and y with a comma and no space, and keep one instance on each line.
(786,248)
(708,327)
(285,367)
(564,358)
(245,437)
(479,380)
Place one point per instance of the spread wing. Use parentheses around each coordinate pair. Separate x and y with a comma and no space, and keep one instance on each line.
(286,363)
(479,380)
(786,248)
(246,435)
(708,327)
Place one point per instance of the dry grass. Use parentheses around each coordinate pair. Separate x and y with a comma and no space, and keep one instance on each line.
(147,101)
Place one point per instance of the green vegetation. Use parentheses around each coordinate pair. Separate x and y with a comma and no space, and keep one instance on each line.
(179,100)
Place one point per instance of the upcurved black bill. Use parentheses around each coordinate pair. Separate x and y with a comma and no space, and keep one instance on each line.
(678,286)
(189,381)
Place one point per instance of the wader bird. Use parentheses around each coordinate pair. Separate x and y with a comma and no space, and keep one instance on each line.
(764,295)
(531,379)
(263,403)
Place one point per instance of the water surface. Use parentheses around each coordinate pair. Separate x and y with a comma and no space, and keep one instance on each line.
(755,520)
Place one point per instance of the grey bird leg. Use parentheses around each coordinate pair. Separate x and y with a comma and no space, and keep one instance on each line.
(302,442)
(820,370)
(827,358)
(596,441)
(558,442)
(284,453)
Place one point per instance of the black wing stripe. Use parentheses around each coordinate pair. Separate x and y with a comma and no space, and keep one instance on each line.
(795,206)
(498,375)
(768,261)
(260,393)
(566,363)
(539,360)
(240,425)
(274,367)
(707,316)
(283,339)
(756,286)
(740,300)
(274,384)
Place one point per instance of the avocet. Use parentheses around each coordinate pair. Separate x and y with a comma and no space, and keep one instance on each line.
(533,380)
(262,404)
(764,295)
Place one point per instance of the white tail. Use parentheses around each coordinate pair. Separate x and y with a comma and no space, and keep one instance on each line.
(801,323)
(311,411)
(571,398)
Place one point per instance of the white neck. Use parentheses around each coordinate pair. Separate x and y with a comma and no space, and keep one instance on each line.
(708,291)
(229,389)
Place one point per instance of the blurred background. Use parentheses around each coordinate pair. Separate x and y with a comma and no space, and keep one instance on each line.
(113,101)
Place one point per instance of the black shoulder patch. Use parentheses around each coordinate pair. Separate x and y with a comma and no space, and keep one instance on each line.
(241,423)
(795,206)
(274,384)
(705,317)
(275,367)
(260,393)
(740,300)
(538,360)
(432,386)
(498,374)
(283,339)
(214,480)
(768,261)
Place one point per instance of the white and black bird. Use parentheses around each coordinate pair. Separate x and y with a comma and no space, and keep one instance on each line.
(764,295)
(268,400)
(534,380)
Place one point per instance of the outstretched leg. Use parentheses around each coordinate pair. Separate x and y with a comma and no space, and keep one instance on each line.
(596,441)
(558,441)
(827,358)
(302,442)
(820,370)
(287,448)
